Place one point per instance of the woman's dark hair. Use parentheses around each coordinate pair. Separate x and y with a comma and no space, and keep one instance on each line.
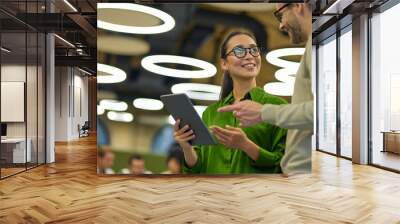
(175,152)
(227,82)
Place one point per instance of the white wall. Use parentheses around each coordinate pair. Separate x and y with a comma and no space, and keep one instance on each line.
(33,126)
(71,94)
(81,96)
(61,103)
(14,73)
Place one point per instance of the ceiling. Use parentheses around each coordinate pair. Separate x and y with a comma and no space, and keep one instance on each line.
(77,26)
(330,16)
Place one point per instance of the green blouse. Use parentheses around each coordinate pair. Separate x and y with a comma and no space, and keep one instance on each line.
(217,159)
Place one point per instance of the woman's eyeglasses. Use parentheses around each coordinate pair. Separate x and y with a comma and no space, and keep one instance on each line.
(241,52)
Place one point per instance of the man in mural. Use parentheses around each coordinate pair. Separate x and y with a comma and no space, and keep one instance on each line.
(105,160)
(137,165)
(294,19)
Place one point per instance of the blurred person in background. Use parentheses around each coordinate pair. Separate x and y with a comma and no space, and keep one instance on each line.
(136,165)
(174,160)
(105,160)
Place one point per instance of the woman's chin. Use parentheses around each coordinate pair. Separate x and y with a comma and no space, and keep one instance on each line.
(252,73)
(248,76)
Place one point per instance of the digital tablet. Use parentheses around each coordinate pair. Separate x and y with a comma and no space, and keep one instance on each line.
(180,107)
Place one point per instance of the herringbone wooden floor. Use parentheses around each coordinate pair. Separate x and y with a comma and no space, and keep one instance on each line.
(70,191)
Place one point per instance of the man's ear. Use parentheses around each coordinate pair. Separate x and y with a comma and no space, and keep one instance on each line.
(299,8)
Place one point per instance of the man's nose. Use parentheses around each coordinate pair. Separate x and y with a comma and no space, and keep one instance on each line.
(281,27)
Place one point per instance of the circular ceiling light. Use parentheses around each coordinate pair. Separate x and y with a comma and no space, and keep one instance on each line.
(273,57)
(121,45)
(279,88)
(100,110)
(109,74)
(148,104)
(168,21)
(286,74)
(149,63)
(198,91)
(113,105)
(120,116)
(199,109)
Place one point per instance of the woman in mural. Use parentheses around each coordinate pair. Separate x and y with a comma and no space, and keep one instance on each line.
(256,149)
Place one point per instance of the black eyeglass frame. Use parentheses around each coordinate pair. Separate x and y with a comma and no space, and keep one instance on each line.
(277,14)
(247,49)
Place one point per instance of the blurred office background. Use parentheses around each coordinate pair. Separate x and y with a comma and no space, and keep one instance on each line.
(125,127)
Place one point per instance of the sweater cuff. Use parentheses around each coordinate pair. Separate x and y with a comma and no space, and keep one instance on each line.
(194,169)
(265,159)
(269,113)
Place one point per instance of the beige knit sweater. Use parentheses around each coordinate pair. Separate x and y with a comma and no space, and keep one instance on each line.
(298,118)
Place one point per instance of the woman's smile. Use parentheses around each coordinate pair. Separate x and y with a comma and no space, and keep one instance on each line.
(249,66)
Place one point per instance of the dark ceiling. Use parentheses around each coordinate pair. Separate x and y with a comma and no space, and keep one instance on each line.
(77,27)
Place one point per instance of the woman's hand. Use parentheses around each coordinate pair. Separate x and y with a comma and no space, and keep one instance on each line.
(183,135)
(232,137)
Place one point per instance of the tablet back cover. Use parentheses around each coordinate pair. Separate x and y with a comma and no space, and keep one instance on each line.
(180,107)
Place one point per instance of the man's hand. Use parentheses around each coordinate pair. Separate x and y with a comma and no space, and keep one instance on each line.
(248,112)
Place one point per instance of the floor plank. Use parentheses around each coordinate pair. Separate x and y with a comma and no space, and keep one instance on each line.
(70,191)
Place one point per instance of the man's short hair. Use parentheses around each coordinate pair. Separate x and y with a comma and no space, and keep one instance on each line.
(101,153)
(102,150)
(176,154)
(310,4)
(134,157)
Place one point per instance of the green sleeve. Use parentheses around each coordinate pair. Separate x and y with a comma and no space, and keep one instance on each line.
(272,157)
(268,99)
